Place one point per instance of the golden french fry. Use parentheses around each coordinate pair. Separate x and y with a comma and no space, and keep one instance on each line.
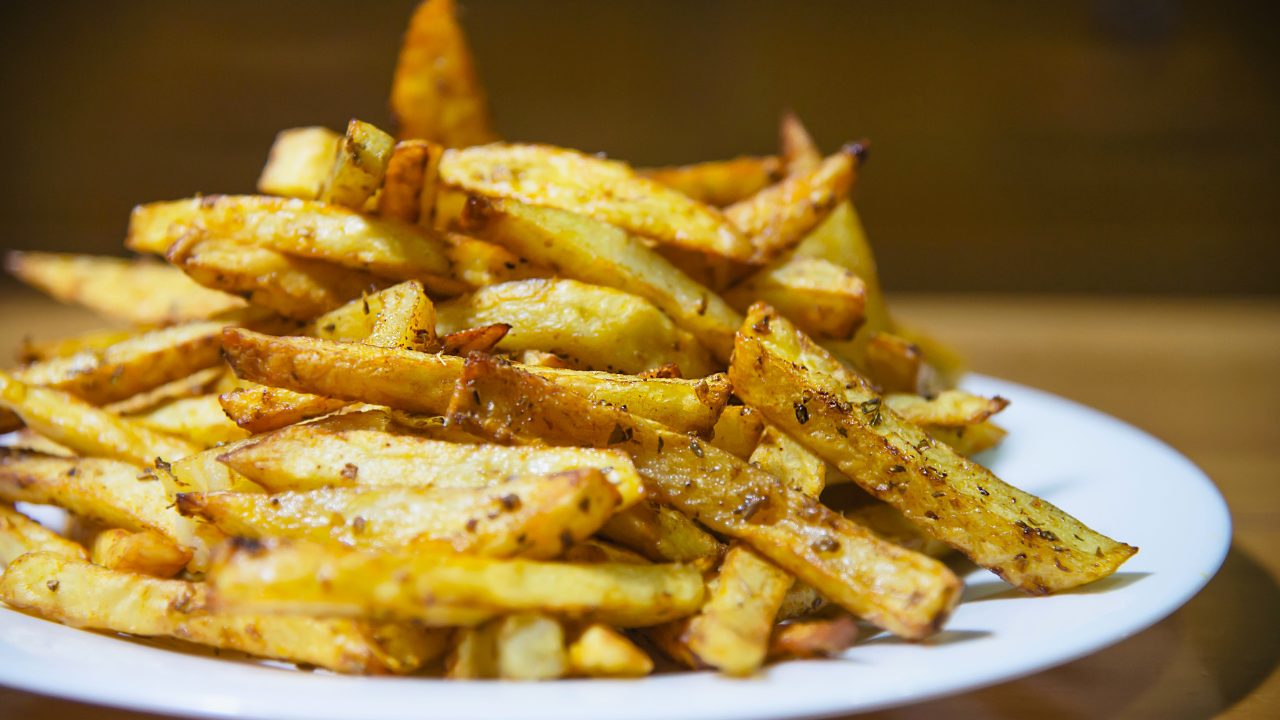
(143,553)
(595,252)
(807,392)
(359,166)
(300,162)
(479,264)
(28,439)
(262,409)
(478,339)
(201,382)
(800,154)
(661,534)
(594,550)
(950,408)
(435,94)
(406,320)
(293,577)
(779,454)
(592,327)
(199,420)
(812,638)
(822,298)
(731,632)
(902,591)
(719,183)
(34,351)
(801,599)
(203,473)
(894,364)
(531,647)
(968,440)
(600,651)
(588,185)
(738,431)
(20,535)
(889,523)
(544,359)
(407,190)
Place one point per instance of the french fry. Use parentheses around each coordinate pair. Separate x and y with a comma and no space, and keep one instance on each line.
(473,653)
(902,591)
(738,431)
(807,392)
(143,553)
(199,420)
(968,440)
(77,593)
(600,651)
(342,451)
(300,162)
(591,251)
(203,473)
(661,534)
(800,154)
(423,382)
(592,327)
(531,647)
(34,351)
(896,365)
(20,535)
(822,298)
(531,516)
(543,359)
(812,638)
(408,185)
(479,264)
(587,185)
(140,292)
(294,577)
(262,409)
(950,408)
(86,429)
(478,339)
(28,439)
(406,320)
(789,461)
(719,183)
(889,523)
(594,550)
(435,94)
(801,599)
(200,382)
(731,632)
(111,492)
(359,166)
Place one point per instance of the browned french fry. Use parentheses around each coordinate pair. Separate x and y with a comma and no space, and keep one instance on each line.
(408,189)
(203,473)
(600,651)
(20,535)
(779,454)
(299,163)
(478,339)
(722,182)
(263,409)
(824,299)
(661,534)
(33,351)
(950,408)
(435,94)
(199,420)
(406,320)
(143,553)
(594,550)
(889,523)
(800,154)
(201,382)
(894,364)
(359,166)
(897,589)
(968,440)
(738,431)
(731,632)
(812,638)
(807,392)
(479,264)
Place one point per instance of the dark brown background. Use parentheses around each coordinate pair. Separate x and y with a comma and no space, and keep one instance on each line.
(1072,146)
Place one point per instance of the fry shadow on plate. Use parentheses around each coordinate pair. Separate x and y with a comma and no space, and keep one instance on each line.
(945,637)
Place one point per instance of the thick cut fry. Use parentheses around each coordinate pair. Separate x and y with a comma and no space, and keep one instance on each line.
(407,319)
(738,431)
(262,409)
(591,327)
(531,647)
(721,182)
(896,365)
(780,455)
(86,429)
(300,162)
(886,521)
(141,292)
(731,632)
(342,451)
(199,420)
(777,217)
(969,439)
(143,553)
(600,651)
(594,252)
(813,638)
(422,382)
(132,366)
(807,392)
(902,591)
(203,473)
(20,535)
(608,190)
(435,94)
(474,653)
(300,578)
(79,594)
(359,166)
(532,516)
(800,154)
(201,382)
(408,192)
(302,228)
(479,264)
(951,408)
(34,351)
(824,299)
(105,490)
(661,534)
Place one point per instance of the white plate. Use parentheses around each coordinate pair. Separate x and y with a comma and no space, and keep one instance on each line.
(1115,478)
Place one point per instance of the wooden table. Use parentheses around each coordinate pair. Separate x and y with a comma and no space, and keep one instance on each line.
(1202,375)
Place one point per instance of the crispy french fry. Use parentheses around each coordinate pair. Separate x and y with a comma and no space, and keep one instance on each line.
(478,339)
(722,182)
(950,408)
(531,647)
(812,638)
(200,382)
(807,392)
(20,535)
(262,409)
(531,516)
(889,523)
(479,264)
(594,252)
(822,298)
(592,327)
(406,320)
(600,651)
(435,94)
(738,431)
(969,439)
(80,594)
(661,534)
(895,365)
(800,153)
(86,429)
(203,473)
(408,184)
(902,591)
(276,576)
(801,599)
(111,492)
(731,633)
(423,382)
(779,454)
(300,162)
(587,185)
(34,351)
(199,420)
(342,451)
(141,292)
(359,166)
(28,439)
(143,553)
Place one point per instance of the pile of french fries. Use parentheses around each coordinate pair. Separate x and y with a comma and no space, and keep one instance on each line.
(441,404)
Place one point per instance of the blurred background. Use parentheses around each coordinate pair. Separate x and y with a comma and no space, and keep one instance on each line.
(1104,146)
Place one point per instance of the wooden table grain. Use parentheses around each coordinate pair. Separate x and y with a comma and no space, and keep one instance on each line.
(1202,375)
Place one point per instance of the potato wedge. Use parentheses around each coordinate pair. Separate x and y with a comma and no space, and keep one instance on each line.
(607,190)
(591,327)
(812,638)
(294,577)
(141,292)
(661,534)
(889,523)
(731,633)
(794,464)
(950,408)
(738,431)
(600,651)
(300,162)
(20,535)
(807,392)
(531,647)
(595,550)
(902,591)
(822,298)
(408,193)
(968,440)
(199,420)
(721,182)
(481,339)
(422,382)
(79,594)
(143,553)
(435,94)
(530,516)
(593,252)
(86,429)
(359,166)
